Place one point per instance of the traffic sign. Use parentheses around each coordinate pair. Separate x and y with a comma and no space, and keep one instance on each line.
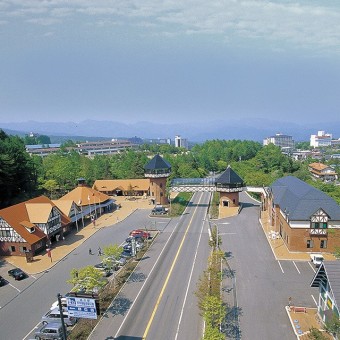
(82,307)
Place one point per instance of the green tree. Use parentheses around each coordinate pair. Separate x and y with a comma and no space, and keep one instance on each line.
(315,334)
(51,186)
(88,278)
(333,326)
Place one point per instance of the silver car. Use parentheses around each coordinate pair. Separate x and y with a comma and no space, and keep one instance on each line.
(52,330)
(54,316)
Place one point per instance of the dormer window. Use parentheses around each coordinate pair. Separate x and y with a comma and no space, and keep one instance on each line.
(319,225)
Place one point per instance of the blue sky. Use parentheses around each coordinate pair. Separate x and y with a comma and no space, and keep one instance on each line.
(171,61)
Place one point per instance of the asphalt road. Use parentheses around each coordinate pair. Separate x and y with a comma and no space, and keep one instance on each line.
(263,285)
(158,302)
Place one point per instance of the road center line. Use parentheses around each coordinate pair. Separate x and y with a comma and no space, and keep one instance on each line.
(280,266)
(169,274)
(296,267)
(36,326)
(151,271)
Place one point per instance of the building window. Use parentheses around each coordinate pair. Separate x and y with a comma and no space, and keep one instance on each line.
(309,243)
(5,233)
(319,225)
(323,244)
(12,248)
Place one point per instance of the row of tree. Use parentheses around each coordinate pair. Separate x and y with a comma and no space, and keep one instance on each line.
(22,176)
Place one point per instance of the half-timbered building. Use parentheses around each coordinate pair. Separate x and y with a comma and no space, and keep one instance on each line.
(30,226)
(306,218)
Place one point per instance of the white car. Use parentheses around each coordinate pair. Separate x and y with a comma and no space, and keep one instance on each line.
(56,304)
(317,259)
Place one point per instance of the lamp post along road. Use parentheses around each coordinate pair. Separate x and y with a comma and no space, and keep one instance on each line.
(61,317)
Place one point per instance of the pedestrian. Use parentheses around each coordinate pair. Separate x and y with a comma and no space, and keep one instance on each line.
(90,251)
(99,251)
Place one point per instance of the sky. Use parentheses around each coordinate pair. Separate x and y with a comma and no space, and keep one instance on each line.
(169,61)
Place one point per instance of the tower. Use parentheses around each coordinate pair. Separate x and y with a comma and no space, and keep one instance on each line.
(158,170)
(229,184)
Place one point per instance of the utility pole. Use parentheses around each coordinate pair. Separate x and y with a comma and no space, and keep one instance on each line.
(61,317)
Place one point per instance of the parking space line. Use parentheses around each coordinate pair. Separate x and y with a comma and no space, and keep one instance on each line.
(314,300)
(14,287)
(33,277)
(312,267)
(36,326)
(280,266)
(296,267)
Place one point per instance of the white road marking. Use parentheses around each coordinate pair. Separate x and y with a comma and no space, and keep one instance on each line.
(296,267)
(223,223)
(33,277)
(280,266)
(227,234)
(314,300)
(312,267)
(31,331)
(187,290)
(14,287)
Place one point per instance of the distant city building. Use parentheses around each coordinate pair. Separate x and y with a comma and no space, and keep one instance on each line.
(336,142)
(42,149)
(181,142)
(321,139)
(91,149)
(283,141)
(158,141)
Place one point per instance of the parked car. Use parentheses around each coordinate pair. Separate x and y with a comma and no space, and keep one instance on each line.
(317,259)
(56,304)
(139,232)
(104,269)
(126,253)
(54,316)
(159,210)
(17,273)
(52,330)
(121,262)
(2,281)
(137,238)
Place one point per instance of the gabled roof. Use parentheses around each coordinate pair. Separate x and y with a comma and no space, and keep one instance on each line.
(330,271)
(157,163)
(83,196)
(64,206)
(38,212)
(300,200)
(139,184)
(19,216)
(318,166)
(229,176)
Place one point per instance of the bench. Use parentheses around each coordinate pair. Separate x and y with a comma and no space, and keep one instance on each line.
(299,309)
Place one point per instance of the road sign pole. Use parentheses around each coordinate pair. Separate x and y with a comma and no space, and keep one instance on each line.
(61,317)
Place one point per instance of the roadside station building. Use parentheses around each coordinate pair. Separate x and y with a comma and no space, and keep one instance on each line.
(307,219)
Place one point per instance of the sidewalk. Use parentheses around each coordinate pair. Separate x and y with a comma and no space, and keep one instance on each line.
(74,239)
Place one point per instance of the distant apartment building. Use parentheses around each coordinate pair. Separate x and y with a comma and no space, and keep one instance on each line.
(157,141)
(322,139)
(281,140)
(42,149)
(113,146)
(181,142)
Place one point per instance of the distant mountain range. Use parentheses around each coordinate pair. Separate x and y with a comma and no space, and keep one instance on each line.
(251,129)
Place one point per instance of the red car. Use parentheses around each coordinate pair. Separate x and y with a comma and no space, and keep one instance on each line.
(140,233)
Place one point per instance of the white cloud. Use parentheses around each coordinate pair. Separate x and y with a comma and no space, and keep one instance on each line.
(301,23)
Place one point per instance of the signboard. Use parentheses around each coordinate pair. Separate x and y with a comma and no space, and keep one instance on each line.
(81,307)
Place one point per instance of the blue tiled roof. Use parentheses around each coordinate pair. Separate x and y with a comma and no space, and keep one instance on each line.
(157,163)
(229,176)
(301,200)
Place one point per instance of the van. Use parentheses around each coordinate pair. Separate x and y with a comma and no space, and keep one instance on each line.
(54,316)
(52,330)
(317,259)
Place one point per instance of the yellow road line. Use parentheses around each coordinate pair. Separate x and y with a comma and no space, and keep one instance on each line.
(168,276)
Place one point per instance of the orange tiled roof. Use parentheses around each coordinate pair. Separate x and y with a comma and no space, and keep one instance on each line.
(19,216)
(83,195)
(318,166)
(138,184)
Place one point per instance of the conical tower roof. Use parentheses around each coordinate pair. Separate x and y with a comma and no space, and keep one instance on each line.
(157,163)
(229,176)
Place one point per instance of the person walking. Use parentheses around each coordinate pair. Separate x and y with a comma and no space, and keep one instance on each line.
(99,252)
(90,251)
